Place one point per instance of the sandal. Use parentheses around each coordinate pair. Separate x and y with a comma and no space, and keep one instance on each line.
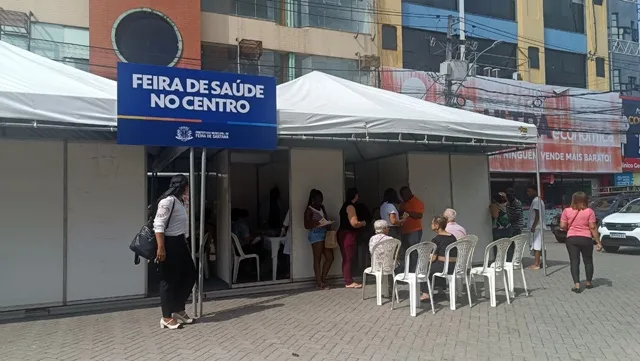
(353,285)
(589,286)
(576,290)
(322,287)
(424,298)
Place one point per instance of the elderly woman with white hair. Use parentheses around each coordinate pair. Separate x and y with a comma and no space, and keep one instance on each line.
(452,226)
(381,228)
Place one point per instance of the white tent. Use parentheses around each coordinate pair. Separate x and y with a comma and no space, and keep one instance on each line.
(322,104)
(33,87)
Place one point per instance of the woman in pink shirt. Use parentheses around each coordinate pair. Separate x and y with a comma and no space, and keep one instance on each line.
(580,223)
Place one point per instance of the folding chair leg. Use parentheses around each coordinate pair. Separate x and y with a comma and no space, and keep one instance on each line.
(506,287)
(394,293)
(433,310)
(413,299)
(452,293)
(468,290)
(524,282)
(364,283)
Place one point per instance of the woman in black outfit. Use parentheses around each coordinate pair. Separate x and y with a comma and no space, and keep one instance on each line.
(350,227)
(442,239)
(175,266)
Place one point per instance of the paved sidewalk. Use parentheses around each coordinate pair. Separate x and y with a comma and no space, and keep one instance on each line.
(551,324)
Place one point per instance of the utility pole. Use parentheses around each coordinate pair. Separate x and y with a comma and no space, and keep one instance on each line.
(448,58)
(461,27)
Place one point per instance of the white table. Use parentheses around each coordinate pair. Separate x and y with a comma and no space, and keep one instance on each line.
(275,247)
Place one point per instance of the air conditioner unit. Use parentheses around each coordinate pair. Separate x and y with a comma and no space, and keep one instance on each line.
(250,49)
(516,76)
(369,62)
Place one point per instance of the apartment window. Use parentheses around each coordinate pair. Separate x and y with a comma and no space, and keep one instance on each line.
(355,16)
(615,80)
(616,31)
(534,57)
(342,68)
(222,57)
(13,36)
(62,43)
(261,9)
(389,37)
(597,2)
(633,83)
(14,28)
(565,69)
(567,15)
(600,72)
(440,4)
(502,9)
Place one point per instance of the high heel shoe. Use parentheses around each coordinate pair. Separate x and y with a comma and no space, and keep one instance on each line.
(183,319)
(166,324)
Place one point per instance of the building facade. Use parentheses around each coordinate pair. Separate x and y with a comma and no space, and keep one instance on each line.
(282,38)
(543,41)
(554,59)
(624,46)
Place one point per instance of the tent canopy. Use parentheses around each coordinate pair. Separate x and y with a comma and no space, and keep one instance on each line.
(318,104)
(35,88)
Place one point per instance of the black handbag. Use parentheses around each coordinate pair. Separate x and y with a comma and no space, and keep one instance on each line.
(144,244)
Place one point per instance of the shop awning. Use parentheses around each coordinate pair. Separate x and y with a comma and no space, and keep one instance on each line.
(38,89)
(318,104)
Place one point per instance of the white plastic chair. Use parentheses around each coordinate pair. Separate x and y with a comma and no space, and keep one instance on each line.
(520,242)
(497,268)
(473,238)
(239,255)
(425,251)
(383,263)
(460,271)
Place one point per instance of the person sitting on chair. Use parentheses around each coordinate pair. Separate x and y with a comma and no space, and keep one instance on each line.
(442,240)
(381,228)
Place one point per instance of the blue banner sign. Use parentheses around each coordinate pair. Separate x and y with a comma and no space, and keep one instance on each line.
(623,179)
(162,106)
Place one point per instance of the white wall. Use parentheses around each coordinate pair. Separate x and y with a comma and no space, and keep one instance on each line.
(306,174)
(31,222)
(429,180)
(106,200)
(223,214)
(471,196)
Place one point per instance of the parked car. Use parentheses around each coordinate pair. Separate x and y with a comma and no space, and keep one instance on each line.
(602,206)
(621,229)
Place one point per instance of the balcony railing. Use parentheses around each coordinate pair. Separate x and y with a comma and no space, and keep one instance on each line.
(624,47)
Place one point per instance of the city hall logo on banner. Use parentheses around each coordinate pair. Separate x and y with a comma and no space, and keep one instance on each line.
(174,107)
(184,134)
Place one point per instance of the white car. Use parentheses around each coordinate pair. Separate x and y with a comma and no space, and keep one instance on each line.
(621,229)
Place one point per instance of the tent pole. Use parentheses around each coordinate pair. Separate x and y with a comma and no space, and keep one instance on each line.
(203,257)
(541,222)
(192,216)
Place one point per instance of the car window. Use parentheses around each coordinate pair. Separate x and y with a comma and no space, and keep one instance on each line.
(632,207)
(603,204)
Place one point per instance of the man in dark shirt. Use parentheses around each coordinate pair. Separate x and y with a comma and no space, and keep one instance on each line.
(514,212)
(516,218)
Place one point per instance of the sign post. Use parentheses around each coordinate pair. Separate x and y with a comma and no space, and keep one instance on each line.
(174,107)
